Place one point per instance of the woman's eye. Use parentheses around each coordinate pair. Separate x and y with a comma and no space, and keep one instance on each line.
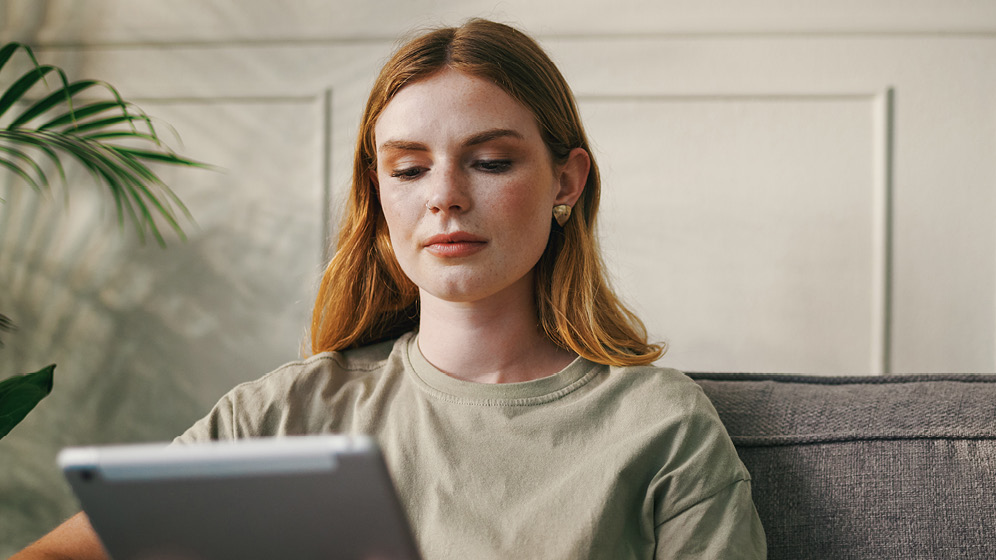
(494,165)
(407,173)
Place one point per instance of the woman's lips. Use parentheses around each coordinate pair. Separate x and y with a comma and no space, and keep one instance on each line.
(456,244)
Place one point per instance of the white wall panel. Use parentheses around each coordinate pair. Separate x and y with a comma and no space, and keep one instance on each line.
(144,21)
(761,256)
(943,130)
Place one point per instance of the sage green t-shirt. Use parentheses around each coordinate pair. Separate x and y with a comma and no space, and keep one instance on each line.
(593,462)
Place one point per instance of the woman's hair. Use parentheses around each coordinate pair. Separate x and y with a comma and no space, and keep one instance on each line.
(365,296)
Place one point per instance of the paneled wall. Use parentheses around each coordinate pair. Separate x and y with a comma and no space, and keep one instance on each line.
(788,186)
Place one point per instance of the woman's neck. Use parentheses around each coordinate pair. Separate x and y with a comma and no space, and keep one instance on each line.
(495,340)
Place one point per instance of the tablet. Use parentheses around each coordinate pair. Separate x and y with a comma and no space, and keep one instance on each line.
(296,497)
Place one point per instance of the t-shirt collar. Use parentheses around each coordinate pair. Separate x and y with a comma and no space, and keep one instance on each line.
(538,391)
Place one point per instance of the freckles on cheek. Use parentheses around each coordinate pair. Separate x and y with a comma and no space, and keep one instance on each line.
(523,203)
(397,213)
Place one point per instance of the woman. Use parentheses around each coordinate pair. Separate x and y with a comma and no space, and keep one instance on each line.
(465,322)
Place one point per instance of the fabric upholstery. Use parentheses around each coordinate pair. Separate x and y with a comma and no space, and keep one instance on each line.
(867,467)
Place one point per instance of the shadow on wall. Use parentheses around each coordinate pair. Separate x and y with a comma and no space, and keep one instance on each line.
(144,339)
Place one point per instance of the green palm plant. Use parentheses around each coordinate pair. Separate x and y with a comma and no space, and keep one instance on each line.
(88,122)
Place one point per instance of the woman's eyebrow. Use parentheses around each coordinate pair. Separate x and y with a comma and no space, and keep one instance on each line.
(489,135)
(403,145)
(479,138)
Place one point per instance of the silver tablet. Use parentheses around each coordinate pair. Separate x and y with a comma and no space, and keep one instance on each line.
(296,497)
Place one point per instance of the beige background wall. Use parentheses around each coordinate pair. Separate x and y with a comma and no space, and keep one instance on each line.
(788,186)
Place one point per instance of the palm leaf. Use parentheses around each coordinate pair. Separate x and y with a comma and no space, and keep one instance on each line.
(19,394)
(8,51)
(109,137)
(52,100)
(16,169)
(41,145)
(6,325)
(26,162)
(16,91)
(69,120)
(108,124)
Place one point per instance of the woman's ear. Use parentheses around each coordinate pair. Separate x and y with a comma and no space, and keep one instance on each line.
(572,176)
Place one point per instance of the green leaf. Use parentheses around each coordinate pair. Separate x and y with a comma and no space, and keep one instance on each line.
(53,99)
(69,119)
(120,183)
(21,86)
(26,137)
(130,182)
(8,51)
(109,122)
(118,134)
(6,325)
(166,157)
(88,130)
(19,394)
(20,173)
(28,162)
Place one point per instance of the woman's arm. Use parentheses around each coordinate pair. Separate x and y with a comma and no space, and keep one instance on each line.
(73,540)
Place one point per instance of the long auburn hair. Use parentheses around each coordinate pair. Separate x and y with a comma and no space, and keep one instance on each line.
(364,295)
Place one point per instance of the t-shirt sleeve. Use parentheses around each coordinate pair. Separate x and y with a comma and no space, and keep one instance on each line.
(724,525)
(703,493)
(294,399)
(256,408)
(219,424)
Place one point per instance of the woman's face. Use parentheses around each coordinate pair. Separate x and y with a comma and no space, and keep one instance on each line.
(466,185)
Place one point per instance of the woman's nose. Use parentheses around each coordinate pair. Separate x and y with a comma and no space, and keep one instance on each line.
(448,190)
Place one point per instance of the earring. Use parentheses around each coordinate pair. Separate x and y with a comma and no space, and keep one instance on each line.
(561,213)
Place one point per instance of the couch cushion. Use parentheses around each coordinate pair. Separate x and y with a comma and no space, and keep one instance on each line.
(867,467)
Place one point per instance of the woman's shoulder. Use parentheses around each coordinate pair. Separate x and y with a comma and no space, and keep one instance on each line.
(663,395)
(296,397)
(323,367)
(663,384)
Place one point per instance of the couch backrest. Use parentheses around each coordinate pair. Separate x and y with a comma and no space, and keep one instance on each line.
(867,467)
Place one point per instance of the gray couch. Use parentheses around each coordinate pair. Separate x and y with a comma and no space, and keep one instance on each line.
(867,467)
